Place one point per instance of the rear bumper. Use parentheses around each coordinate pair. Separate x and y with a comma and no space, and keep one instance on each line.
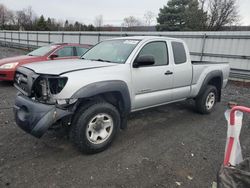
(35,118)
(7,75)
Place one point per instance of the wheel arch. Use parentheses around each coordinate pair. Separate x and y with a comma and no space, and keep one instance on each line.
(115,92)
(214,78)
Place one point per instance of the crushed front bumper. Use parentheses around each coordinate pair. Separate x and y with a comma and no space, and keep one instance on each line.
(35,118)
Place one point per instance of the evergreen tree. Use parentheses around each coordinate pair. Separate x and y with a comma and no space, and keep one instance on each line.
(181,15)
(66,25)
(77,26)
(41,24)
(84,27)
(195,18)
(71,27)
(49,24)
(90,28)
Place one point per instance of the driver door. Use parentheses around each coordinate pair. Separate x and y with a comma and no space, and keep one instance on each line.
(152,84)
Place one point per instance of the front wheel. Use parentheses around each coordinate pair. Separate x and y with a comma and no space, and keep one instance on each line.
(205,102)
(94,128)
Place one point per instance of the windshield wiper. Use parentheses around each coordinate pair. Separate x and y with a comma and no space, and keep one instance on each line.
(101,60)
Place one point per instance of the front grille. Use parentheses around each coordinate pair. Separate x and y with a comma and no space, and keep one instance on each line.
(2,75)
(24,79)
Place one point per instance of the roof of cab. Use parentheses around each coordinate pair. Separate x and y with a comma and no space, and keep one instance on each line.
(71,44)
(145,38)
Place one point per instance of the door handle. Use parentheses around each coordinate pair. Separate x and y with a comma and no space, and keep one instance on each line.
(168,73)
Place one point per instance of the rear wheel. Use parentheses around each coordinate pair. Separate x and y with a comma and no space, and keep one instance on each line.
(205,102)
(94,128)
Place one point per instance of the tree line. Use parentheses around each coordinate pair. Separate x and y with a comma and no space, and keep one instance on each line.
(176,15)
(26,19)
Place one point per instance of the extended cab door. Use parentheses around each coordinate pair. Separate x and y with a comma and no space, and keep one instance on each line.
(182,71)
(151,84)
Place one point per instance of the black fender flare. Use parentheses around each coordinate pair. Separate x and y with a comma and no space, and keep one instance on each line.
(208,78)
(101,87)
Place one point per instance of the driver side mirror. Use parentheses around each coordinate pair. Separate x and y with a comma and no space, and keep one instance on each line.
(53,56)
(144,60)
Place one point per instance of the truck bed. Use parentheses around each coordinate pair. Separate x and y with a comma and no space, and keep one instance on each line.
(201,69)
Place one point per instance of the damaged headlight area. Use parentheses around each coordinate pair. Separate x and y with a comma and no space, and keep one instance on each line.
(45,87)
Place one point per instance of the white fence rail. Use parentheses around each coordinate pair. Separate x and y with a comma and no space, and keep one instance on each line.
(231,47)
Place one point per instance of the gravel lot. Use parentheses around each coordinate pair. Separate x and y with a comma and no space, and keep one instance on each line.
(162,147)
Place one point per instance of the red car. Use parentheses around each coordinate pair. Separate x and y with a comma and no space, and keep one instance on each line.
(50,52)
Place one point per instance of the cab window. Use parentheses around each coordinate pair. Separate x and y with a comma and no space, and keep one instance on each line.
(179,53)
(80,50)
(158,50)
(65,52)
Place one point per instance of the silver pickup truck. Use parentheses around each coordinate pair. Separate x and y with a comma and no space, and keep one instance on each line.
(94,95)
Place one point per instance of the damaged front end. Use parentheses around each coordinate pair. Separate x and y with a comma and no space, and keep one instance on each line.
(36,107)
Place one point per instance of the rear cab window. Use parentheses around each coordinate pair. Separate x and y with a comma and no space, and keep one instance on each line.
(179,52)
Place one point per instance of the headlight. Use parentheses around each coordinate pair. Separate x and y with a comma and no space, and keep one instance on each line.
(9,65)
(46,86)
(57,84)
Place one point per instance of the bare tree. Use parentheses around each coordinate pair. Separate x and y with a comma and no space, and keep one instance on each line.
(149,16)
(202,4)
(222,13)
(30,13)
(25,18)
(6,16)
(131,21)
(98,21)
(3,10)
(21,18)
(12,18)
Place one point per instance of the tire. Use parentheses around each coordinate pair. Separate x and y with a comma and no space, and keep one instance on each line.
(94,127)
(206,101)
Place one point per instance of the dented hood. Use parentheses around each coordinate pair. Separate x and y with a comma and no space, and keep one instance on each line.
(59,67)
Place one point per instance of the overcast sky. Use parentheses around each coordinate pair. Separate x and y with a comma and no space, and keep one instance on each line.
(113,11)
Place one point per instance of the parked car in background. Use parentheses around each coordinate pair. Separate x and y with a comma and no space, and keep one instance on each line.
(56,51)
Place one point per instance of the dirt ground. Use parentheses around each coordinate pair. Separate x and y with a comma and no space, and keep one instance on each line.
(168,146)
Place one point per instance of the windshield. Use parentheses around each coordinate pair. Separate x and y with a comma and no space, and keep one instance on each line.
(42,51)
(115,51)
